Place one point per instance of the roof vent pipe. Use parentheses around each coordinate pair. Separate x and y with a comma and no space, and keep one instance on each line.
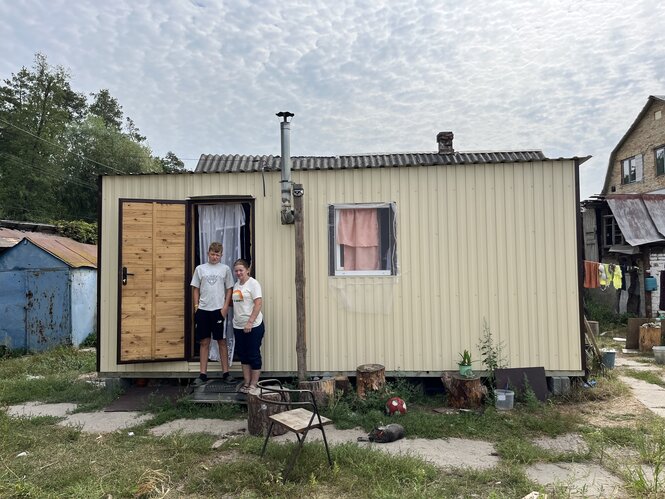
(285,166)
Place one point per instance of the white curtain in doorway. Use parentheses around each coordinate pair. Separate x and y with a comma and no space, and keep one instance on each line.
(221,223)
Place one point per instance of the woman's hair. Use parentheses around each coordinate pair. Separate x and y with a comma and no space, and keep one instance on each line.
(241,261)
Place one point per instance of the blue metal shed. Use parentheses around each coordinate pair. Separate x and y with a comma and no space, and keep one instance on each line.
(48,291)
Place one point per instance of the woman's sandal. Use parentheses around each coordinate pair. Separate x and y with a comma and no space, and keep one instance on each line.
(243,389)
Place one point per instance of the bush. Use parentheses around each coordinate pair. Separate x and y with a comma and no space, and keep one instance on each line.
(607,318)
(90,341)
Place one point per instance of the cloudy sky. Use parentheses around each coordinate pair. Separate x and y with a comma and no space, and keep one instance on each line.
(207,76)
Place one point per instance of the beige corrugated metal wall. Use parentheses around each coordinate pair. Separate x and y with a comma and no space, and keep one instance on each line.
(476,244)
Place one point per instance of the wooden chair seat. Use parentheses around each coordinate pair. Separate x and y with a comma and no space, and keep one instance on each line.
(299,415)
(298,420)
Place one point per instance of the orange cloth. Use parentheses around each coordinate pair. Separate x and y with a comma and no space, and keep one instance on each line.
(358,233)
(591,274)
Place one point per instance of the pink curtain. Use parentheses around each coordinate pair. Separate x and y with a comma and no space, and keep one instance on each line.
(358,233)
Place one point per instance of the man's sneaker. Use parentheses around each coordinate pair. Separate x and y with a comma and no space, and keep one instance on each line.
(200,381)
(229,380)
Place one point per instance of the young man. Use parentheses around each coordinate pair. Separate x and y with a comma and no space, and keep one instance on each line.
(212,284)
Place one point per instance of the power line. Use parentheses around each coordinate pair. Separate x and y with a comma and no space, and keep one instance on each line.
(50,174)
(61,147)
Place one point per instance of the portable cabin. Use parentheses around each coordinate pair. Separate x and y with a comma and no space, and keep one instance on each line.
(48,292)
(408,258)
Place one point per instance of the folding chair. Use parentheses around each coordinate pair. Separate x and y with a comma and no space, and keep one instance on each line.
(300,414)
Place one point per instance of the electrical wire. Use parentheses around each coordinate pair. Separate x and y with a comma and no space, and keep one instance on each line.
(61,147)
(50,174)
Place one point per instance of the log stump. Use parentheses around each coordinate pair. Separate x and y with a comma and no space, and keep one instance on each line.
(649,337)
(258,413)
(323,390)
(464,393)
(342,384)
(370,378)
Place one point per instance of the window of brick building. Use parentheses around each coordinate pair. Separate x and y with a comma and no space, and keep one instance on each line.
(660,160)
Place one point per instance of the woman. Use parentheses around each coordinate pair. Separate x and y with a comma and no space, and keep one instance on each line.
(247,324)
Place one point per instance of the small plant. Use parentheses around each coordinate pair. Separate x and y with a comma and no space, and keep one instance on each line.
(465,358)
(492,355)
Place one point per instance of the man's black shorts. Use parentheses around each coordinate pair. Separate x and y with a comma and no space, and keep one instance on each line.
(207,323)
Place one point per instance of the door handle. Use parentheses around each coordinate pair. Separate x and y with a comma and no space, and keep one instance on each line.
(124,276)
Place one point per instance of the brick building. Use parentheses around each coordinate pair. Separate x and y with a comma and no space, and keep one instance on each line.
(625,224)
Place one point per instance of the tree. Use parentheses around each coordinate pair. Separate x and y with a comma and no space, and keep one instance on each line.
(107,108)
(171,163)
(36,105)
(53,146)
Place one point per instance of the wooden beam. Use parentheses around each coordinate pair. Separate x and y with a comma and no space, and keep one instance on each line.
(301,317)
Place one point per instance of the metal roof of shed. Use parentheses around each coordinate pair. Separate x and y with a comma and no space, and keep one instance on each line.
(236,163)
(641,217)
(71,252)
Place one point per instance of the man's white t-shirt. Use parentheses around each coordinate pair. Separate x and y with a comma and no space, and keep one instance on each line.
(243,302)
(212,281)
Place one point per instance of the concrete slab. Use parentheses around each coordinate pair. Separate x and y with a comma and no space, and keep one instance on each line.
(634,364)
(652,396)
(89,422)
(571,442)
(581,479)
(219,427)
(104,422)
(448,453)
(33,409)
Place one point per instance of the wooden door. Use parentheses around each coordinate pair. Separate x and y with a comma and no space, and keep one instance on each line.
(152,281)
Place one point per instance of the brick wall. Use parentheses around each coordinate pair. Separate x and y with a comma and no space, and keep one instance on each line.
(657,261)
(647,136)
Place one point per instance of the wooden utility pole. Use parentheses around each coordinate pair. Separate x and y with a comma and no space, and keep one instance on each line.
(301,317)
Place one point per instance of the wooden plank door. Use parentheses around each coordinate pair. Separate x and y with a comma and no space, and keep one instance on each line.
(152,281)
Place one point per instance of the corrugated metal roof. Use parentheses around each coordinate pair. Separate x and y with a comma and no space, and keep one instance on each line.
(10,237)
(641,217)
(71,252)
(655,204)
(235,163)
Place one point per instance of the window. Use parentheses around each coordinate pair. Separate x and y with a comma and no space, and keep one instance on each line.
(631,170)
(660,160)
(362,239)
(611,232)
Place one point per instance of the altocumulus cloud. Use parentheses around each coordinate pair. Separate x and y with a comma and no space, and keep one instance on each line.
(198,77)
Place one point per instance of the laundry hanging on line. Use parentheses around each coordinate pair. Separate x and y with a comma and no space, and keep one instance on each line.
(601,275)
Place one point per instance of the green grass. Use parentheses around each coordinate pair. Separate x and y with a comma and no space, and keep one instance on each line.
(63,462)
(652,377)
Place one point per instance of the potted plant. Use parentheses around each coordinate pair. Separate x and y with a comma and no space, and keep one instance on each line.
(464,364)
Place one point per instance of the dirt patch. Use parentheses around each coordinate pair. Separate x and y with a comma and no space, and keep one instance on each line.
(619,412)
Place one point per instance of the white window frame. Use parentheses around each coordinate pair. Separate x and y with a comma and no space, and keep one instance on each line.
(335,258)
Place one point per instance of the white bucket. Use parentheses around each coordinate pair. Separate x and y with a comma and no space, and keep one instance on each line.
(504,399)
(659,354)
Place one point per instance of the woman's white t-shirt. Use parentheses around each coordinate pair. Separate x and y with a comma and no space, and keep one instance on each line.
(243,302)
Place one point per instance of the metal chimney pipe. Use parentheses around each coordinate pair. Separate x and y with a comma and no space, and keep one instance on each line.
(285,166)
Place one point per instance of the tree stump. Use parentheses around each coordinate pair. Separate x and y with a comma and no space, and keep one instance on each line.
(370,378)
(323,390)
(258,413)
(342,384)
(649,337)
(464,393)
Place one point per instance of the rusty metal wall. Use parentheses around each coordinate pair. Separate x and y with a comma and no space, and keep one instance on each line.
(35,299)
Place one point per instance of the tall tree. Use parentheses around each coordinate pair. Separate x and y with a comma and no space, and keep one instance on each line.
(36,105)
(107,108)
(53,146)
